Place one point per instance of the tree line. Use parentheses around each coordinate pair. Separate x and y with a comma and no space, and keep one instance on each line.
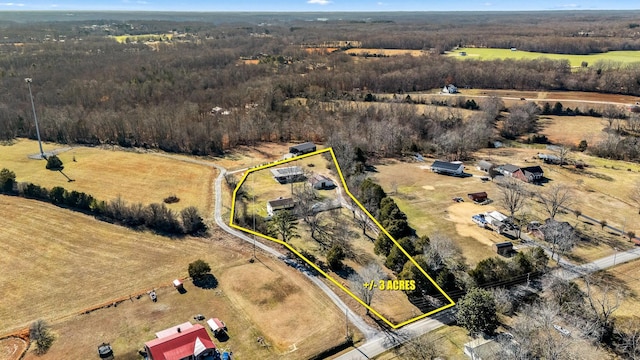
(155,217)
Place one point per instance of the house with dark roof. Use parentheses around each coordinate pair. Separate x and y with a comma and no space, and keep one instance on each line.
(184,341)
(303,148)
(447,168)
(528,174)
(279,204)
(533,173)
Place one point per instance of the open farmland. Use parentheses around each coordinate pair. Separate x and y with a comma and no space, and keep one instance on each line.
(142,37)
(570,130)
(621,57)
(76,262)
(426,199)
(107,174)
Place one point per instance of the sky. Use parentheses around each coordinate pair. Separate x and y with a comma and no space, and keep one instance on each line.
(316,5)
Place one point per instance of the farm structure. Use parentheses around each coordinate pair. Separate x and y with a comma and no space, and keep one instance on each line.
(503,248)
(217,326)
(447,168)
(549,158)
(485,166)
(321,182)
(527,174)
(450,89)
(279,204)
(288,174)
(184,341)
(303,148)
(478,197)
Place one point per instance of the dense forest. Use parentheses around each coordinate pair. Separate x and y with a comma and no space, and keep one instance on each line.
(194,94)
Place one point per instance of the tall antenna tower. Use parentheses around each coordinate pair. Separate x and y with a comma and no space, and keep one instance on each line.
(35,118)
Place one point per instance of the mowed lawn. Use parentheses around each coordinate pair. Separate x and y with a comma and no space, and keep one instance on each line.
(623,57)
(107,174)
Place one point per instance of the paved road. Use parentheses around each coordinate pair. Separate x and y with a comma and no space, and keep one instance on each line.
(385,341)
(368,331)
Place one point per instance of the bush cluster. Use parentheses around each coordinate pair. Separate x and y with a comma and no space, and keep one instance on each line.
(155,217)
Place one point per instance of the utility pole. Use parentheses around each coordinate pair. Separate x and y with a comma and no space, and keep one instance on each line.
(35,118)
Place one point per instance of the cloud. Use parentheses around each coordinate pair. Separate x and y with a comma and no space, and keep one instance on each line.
(11,4)
(487,4)
(380,3)
(319,2)
(142,2)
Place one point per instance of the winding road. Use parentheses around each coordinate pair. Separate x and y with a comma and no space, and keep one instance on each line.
(378,341)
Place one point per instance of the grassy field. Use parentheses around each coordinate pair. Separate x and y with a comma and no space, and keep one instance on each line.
(385,52)
(75,262)
(393,305)
(449,340)
(627,276)
(622,57)
(601,192)
(570,130)
(426,199)
(107,174)
(142,37)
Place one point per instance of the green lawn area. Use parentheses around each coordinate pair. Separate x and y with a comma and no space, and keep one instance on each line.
(624,57)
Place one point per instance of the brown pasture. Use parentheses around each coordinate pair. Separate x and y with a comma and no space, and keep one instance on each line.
(12,348)
(106,174)
(570,130)
(57,264)
(426,199)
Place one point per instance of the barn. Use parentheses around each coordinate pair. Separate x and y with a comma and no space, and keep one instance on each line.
(447,168)
(303,148)
(184,341)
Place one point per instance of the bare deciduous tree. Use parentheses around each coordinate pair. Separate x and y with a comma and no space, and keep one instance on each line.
(555,198)
(424,347)
(364,283)
(560,235)
(628,334)
(602,300)
(513,196)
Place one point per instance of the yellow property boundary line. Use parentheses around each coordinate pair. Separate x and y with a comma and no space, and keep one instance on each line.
(337,283)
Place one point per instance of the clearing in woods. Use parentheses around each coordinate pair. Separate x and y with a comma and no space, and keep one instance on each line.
(620,57)
(337,283)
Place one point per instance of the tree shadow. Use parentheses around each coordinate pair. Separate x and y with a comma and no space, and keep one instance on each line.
(207,281)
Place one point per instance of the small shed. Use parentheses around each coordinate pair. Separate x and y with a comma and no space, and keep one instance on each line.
(303,148)
(503,248)
(478,196)
(177,283)
(320,182)
(485,166)
(217,326)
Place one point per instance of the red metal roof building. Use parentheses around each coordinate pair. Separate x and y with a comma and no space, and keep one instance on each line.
(190,343)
